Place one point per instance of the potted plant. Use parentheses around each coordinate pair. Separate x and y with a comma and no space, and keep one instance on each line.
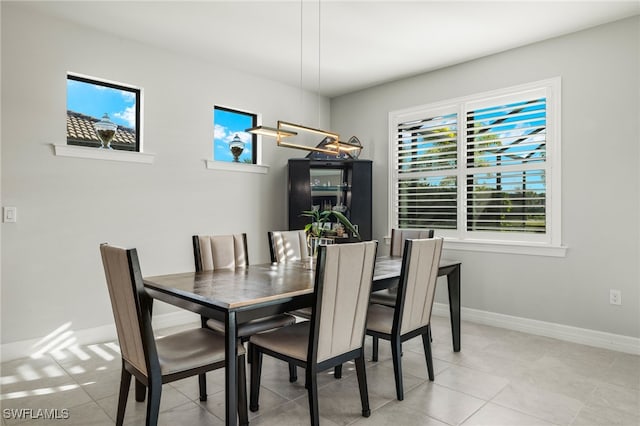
(316,230)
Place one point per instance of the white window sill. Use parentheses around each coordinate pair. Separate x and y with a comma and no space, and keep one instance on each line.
(506,247)
(237,167)
(501,247)
(102,154)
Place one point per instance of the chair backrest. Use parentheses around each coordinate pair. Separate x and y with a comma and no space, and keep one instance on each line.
(417,285)
(288,245)
(399,236)
(130,305)
(342,288)
(220,252)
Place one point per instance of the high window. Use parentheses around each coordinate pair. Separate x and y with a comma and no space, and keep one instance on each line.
(102,114)
(230,142)
(483,168)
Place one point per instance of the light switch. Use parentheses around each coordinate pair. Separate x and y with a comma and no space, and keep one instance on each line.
(10,214)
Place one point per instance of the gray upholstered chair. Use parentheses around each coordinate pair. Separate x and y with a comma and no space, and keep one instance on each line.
(230,252)
(411,315)
(155,362)
(288,245)
(335,333)
(398,237)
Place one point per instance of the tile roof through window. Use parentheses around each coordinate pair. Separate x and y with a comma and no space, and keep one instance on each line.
(80,128)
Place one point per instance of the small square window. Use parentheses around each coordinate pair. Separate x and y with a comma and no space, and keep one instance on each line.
(103,115)
(230,141)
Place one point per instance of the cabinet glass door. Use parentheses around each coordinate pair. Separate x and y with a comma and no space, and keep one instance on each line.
(328,189)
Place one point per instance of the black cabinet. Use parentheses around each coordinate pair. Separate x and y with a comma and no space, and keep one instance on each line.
(342,185)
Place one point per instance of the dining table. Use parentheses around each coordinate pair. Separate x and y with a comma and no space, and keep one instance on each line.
(256,291)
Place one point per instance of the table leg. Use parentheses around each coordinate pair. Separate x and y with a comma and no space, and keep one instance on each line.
(231,370)
(453,282)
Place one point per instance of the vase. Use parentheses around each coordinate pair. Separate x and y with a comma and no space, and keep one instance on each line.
(314,242)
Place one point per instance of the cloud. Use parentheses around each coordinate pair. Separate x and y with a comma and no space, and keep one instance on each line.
(220,133)
(128,115)
(128,96)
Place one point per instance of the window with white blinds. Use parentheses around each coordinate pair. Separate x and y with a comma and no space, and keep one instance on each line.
(480,168)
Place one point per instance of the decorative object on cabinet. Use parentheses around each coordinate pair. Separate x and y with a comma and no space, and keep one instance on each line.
(321,227)
(331,187)
(357,145)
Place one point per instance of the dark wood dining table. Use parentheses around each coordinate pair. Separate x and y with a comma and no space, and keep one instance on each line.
(237,296)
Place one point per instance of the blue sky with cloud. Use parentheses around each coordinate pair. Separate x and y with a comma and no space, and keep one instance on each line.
(95,100)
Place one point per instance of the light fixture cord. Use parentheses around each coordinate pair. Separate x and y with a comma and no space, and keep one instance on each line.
(301,61)
(319,62)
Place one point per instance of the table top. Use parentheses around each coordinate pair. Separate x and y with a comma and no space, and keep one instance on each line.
(260,283)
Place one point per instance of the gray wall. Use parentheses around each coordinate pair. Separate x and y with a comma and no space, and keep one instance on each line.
(51,270)
(600,180)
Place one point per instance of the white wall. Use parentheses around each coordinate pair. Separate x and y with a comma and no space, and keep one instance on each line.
(51,272)
(51,269)
(600,179)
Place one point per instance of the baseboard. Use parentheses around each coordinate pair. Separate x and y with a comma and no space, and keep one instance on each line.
(36,347)
(568,333)
(616,342)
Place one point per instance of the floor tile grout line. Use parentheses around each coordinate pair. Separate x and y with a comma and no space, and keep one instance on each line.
(486,402)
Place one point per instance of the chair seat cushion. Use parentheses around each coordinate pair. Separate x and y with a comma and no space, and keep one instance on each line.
(255,326)
(191,349)
(385,297)
(380,318)
(291,341)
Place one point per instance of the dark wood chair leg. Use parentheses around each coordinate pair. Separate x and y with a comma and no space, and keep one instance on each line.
(362,384)
(141,391)
(312,391)
(125,383)
(426,343)
(202,382)
(293,373)
(256,371)
(153,403)
(396,353)
(243,416)
(337,371)
(374,355)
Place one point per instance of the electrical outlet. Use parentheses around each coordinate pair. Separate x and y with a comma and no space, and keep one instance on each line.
(615,297)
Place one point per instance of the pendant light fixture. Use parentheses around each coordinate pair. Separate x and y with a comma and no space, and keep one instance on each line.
(291,135)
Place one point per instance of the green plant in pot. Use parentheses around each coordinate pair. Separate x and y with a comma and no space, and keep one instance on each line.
(317,229)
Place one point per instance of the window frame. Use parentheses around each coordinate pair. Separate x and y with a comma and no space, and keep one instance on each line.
(549,243)
(255,155)
(118,86)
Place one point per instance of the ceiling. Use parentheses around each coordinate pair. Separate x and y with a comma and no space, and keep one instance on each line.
(337,47)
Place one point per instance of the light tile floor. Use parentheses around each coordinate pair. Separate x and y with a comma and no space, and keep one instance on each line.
(500,377)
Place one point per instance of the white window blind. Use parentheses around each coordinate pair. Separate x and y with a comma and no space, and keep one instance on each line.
(427,153)
(506,152)
(480,168)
